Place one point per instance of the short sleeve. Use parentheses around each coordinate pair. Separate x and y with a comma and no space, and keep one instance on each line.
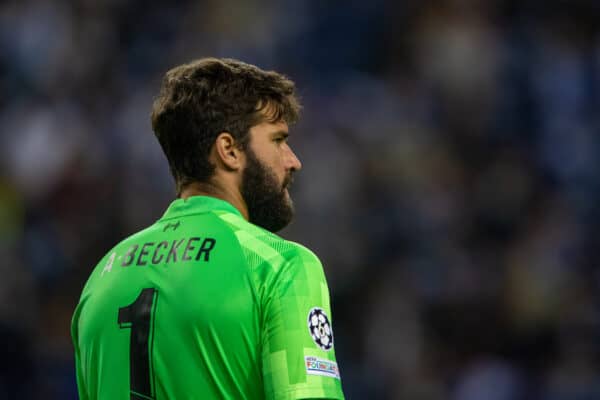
(298,343)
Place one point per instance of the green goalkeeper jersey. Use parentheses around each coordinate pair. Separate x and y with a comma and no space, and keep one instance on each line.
(205,305)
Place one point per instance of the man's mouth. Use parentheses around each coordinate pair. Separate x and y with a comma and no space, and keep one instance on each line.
(287,182)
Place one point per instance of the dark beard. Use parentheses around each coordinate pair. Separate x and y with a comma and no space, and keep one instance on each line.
(268,206)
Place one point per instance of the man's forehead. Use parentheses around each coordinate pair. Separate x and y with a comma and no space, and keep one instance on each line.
(279,127)
(267,127)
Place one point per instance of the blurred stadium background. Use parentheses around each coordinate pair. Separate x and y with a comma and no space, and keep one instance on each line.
(451,178)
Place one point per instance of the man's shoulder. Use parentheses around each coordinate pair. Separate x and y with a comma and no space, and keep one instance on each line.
(265,244)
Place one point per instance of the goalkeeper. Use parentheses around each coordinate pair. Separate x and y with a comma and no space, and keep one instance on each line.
(208,302)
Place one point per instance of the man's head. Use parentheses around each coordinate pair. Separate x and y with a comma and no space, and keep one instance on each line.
(222,115)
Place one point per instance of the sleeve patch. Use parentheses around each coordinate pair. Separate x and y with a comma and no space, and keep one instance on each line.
(319,366)
(319,328)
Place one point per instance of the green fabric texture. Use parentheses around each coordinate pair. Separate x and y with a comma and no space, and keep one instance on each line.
(205,305)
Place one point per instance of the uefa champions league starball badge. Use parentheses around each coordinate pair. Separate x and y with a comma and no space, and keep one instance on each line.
(320,328)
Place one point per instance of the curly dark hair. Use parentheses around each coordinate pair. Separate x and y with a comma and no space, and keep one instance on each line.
(203,98)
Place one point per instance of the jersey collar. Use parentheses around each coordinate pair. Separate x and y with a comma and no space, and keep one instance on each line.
(198,204)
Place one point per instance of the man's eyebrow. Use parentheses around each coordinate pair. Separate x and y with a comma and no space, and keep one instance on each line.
(285,134)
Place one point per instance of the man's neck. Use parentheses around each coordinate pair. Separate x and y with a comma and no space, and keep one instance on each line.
(218,191)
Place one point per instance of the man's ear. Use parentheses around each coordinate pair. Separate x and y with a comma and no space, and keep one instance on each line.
(227,151)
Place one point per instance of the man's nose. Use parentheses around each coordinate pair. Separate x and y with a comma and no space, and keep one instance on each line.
(294,163)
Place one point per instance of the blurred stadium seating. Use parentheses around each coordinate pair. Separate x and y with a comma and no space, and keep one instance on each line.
(451,178)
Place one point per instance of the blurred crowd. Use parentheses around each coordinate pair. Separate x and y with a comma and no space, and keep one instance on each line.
(451,180)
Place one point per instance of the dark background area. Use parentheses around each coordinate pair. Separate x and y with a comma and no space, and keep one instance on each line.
(450,185)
